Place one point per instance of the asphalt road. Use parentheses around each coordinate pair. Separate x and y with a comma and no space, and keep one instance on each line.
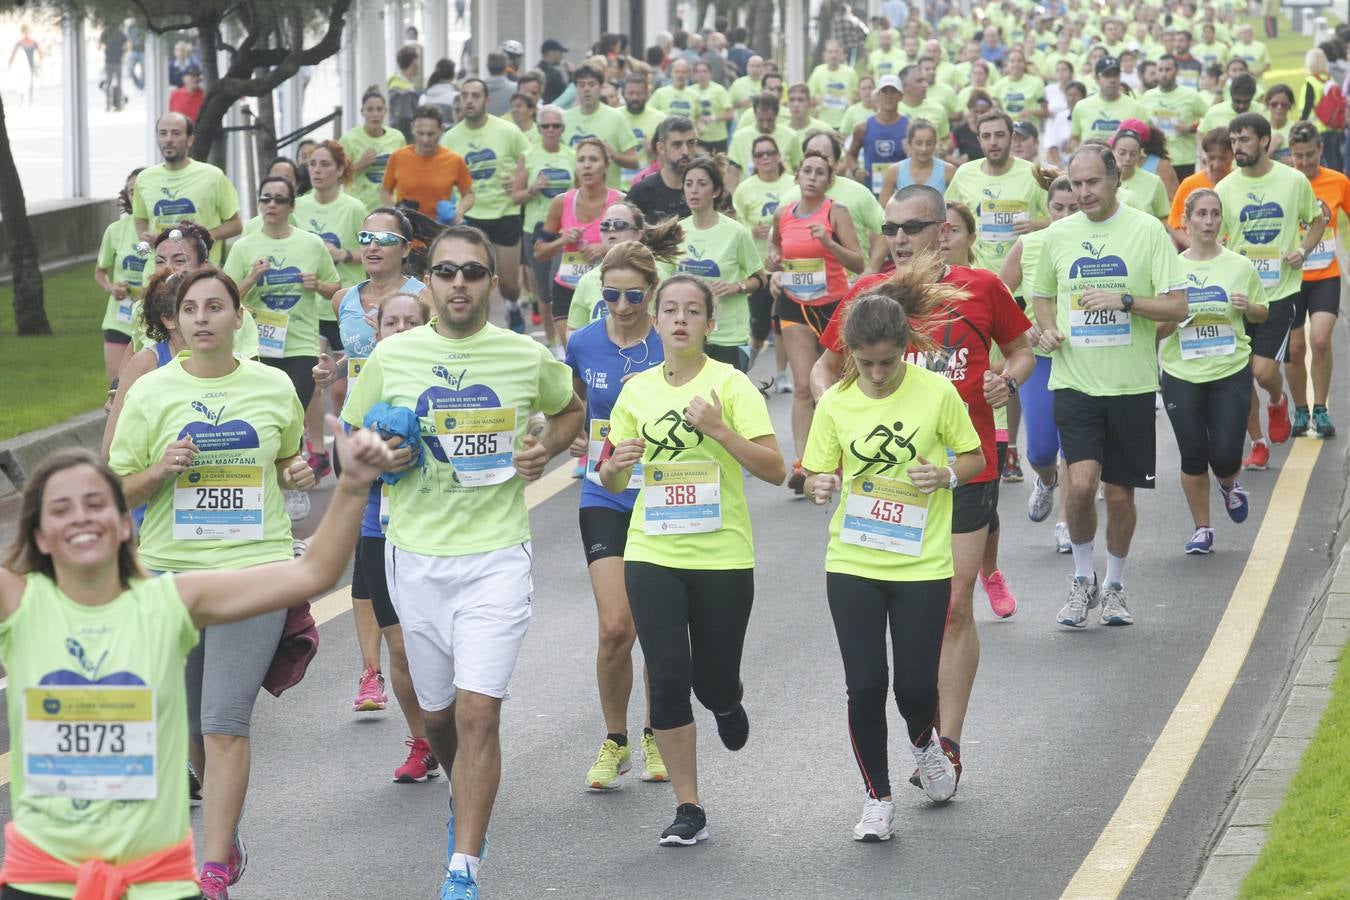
(1059,724)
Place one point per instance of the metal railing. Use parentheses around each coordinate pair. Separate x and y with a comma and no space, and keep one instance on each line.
(255,127)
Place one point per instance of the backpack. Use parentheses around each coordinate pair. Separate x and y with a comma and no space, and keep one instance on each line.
(402,105)
(1330,110)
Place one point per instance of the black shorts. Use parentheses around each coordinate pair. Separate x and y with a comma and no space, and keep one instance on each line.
(1116,432)
(1183,172)
(504,232)
(115,337)
(974,506)
(813,317)
(330,333)
(604,531)
(1323,295)
(561,303)
(300,370)
(368,580)
(1270,339)
(761,314)
(732,356)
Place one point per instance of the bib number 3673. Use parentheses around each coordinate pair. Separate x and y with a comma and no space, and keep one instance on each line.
(91,742)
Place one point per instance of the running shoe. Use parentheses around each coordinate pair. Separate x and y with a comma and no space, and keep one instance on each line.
(1300,427)
(238,860)
(194,787)
(579,470)
(653,766)
(1062,542)
(1114,610)
(1001,599)
(321,464)
(953,751)
(937,775)
(1322,422)
(297,505)
(1235,501)
(1259,458)
(690,827)
(797,480)
(516,322)
(1082,597)
(459,885)
(370,695)
(733,727)
(878,817)
(1042,500)
(612,762)
(420,765)
(1277,420)
(1012,468)
(782,383)
(1202,542)
(214,883)
(535,318)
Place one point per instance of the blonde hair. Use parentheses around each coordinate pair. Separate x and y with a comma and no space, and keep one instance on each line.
(634,257)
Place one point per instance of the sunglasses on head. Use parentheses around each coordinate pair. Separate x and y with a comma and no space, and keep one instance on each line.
(278,199)
(634,296)
(617,225)
(912,227)
(472,271)
(379,238)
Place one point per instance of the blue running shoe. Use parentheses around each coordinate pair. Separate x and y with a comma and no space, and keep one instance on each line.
(450,836)
(1235,501)
(1201,542)
(459,886)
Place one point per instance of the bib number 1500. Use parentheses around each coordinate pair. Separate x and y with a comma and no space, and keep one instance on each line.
(91,737)
(220,498)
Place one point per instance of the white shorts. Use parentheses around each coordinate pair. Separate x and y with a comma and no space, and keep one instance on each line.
(463,617)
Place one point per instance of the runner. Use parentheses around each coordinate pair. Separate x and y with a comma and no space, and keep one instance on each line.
(170,436)
(1216,161)
(880,139)
(765,124)
(1019,92)
(543,172)
(1279,100)
(1206,380)
(756,202)
(916,104)
(1319,298)
(75,540)
(922,166)
(120,271)
(183,188)
(1241,92)
(1176,110)
(623,222)
(1139,189)
(677,98)
(1096,312)
(661,194)
(1265,206)
(369,145)
(833,85)
(424,176)
(458,551)
(862,206)
(643,120)
(603,356)
(812,243)
(889,560)
(694,424)
(714,110)
(591,118)
(1098,117)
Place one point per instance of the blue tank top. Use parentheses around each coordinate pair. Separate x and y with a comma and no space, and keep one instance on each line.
(936,178)
(1151,163)
(358,335)
(162,353)
(882,144)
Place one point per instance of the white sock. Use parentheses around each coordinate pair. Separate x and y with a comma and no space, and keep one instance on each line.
(1082,559)
(463,862)
(1115,568)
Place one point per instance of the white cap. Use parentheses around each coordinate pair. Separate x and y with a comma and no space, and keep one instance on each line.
(890,81)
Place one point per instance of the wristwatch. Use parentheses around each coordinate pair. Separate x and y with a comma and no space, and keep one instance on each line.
(1012,384)
(1126,302)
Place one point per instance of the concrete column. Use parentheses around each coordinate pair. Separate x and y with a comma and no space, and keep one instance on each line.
(74,109)
(534,31)
(373,63)
(393,21)
(657,20)
(157,52)
(614,16)
(793,29)
(290,97)
(435,33)
(485,32)
(350,96)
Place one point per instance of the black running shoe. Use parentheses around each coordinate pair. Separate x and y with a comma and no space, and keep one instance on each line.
(733,727)
(194,788)
(690,827)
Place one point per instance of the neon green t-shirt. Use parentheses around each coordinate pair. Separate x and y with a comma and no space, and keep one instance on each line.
(587,304)
(606,123)
(997,201)
(1095,118)
(833,91)
(117,254)
(1145,192)
(1106,353)
(931,109)
(743,143)
(945,95)
(877,502)
(1169,109)
(649,408)
(1254,54)
(366,182)
(490,152)
(713,100)
(863,208)
(198,191)
(675,101)
(286,311)
(135,648)
(1020,95)
(1222,113)
(744,89)
(724,252)
(747,119)
(1211,54)
(557,167)
(1212,342)
(886,62)
(756,201)
(643,126)
(1261,219)
(337,224)
(473,397)
(854,115)
(227,511)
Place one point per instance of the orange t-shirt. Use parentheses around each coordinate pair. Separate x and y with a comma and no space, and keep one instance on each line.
(1333,189)
(1192,182)
(426,180)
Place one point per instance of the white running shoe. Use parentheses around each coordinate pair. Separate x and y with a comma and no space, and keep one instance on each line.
(1042,500)
(1062,542)
(1082,597)
(297,505)
(1114,610)
(937,775)
(782,383)
(878,816)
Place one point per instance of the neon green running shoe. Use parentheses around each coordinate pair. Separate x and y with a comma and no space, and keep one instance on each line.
(653,766)
(612,762)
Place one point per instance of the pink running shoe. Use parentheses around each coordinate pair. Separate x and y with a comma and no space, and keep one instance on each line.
(238,862)
(370,694)
(1001,599)
(214,882)
(420,765)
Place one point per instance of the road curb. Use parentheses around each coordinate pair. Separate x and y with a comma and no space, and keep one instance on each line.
(1239,840)
(19,456)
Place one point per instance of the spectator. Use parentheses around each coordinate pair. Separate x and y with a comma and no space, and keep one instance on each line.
(656,58)
(402,94)
(500,87)
(136,59)
(897,11)
(848,30)
(410,40)
(188,98)
(114,43)
(441,91)
(551,64)
(714,54)
(992,49)
(739,53)
(183,57)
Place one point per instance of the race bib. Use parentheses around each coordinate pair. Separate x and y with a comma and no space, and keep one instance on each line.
(1267,262)
(834,101)
(91,742)
(1322,255)
(384,505)
(804,280)
(1207,335)
(1097,327)
(354,366)
(213,502)
(272,325)
(124,308)
(480,443)
(595,446)
(572,267)
(681,498)
(884,514)
(878,177)
(1166,121)
(996,220)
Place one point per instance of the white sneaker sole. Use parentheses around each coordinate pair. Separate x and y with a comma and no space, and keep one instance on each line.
(871,837)
(601,787)
(674,840)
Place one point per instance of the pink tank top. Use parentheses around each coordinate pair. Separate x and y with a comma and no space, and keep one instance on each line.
(811,275)
(573,264)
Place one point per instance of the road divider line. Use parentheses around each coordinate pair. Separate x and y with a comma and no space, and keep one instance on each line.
(1108,866)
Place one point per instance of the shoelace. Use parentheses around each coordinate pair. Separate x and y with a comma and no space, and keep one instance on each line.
(931,762)
(874,812)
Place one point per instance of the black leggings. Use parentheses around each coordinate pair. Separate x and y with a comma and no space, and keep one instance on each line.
(1209,420)
(692,627)
(300,370)
(917,614)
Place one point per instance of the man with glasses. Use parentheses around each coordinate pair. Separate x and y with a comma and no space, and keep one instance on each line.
(916,223)
(661,195)
(423,174)
(182,188)
(544,172)
(458,551)
(1176,111)
(491,146)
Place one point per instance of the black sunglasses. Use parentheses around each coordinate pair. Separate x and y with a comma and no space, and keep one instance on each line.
(472,271)
(549,125)
(912,227)
(616,225)
(278,199)
(634,296)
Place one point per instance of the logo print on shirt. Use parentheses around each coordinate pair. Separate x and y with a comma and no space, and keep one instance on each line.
(1197,290)
(173,205)
(328,237)
(670,434)
(213,434)
(883,447)
(694,264)
(1096,265)
(88,674)
(456,395)
(1260,220)
(480,162)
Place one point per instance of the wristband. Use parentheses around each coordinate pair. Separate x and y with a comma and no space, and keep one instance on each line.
(952,485)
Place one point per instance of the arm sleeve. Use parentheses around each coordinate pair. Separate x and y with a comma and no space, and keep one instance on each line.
(326,270)
(107,253)
(237,263)
(1256,292)
(958,432)
(1309,207)
(1047,279)
(227,198)
(463,180)
(138,208)
(391,173)
(294,429)
(578,313)
(1165,273)
(1159,206)
(749,257)
(1010,322)
(622,421)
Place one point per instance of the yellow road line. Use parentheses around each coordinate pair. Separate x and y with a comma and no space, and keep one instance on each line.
(1107,868)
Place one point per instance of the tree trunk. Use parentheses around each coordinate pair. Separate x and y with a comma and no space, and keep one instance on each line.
(266,136)
(761,27)
(30,313)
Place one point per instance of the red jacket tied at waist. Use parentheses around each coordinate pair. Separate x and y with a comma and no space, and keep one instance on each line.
(94,879)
